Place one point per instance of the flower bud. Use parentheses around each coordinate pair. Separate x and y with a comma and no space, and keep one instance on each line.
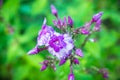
(76,61)
(70,21)
(45,62)
(34,51)
(55,22)
(62,61)
(64,22)
(83,30)
(79,52)
(97,25)
(105,75)
(71,76)
(59,23)
(43,67)
(54,11)
(97,16)
(104,72)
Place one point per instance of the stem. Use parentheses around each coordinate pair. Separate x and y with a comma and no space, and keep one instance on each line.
(86,39)
(71,68)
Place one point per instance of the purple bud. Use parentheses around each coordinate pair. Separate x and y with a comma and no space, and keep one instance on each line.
(70,21)
(105,75)
(65,22)
(71,76)
(55,22)
(76,61)
(97,25)
(104,72)
(36,50)
(79,52)
(43,67)
(54,10)
(62,61)
(59,23)
(83,30)
(97,16)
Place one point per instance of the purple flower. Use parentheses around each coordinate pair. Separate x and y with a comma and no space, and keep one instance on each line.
(79,52)
(71,76)
(60,45)
(62,61)
(97,16)
(54,11)
(44,34)
(76,61)
(70,21)
(57,43)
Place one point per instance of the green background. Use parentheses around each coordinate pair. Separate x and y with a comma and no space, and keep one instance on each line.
(20,21)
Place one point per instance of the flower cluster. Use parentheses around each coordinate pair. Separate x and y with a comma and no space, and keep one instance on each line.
(61,44)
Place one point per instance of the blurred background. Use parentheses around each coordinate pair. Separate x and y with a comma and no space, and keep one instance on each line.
(20,21)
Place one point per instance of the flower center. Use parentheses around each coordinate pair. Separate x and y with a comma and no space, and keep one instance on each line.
(57,43)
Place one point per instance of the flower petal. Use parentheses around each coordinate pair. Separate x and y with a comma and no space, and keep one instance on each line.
(44,35)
